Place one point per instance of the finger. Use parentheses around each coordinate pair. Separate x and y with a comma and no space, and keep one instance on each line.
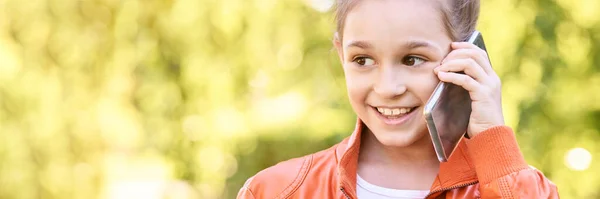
(483,59)
(468,66)
(465,53)
(462,80)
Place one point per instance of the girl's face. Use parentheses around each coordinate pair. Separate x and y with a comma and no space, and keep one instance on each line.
(389,50)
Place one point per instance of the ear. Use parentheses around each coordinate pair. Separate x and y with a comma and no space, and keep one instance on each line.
(337,43)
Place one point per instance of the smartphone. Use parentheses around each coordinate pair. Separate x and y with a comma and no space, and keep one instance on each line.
(447,112)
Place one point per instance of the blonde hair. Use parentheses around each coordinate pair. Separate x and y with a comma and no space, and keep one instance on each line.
(459,16)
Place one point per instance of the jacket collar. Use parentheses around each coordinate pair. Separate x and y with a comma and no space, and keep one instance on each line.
(457,171)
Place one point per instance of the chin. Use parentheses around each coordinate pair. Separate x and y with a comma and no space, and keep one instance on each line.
(404,135)
(400,138)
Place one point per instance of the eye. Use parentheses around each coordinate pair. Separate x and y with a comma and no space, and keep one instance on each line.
(412,60)
(364,61)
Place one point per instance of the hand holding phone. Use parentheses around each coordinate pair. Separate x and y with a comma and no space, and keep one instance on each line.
(467,100)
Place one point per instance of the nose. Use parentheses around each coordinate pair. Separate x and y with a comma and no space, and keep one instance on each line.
(390,83)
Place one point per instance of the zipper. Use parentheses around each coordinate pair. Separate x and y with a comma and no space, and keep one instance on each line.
(344,192)
(452,187)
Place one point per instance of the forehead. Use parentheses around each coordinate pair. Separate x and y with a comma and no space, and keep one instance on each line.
(395,21)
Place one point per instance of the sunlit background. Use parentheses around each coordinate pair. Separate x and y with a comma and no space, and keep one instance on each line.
(182,99)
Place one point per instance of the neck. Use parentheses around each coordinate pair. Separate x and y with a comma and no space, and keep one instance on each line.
(419,153)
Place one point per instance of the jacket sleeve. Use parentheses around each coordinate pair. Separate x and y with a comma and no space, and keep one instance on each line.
(245,192)
(502,170)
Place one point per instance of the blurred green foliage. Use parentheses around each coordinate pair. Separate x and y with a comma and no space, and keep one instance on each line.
(189,98)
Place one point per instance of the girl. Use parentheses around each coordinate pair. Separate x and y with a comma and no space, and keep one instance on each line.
(394,52)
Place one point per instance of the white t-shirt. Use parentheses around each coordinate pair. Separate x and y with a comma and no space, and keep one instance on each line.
(366,190)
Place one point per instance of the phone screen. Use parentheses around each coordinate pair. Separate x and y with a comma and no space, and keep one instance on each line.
(447,112)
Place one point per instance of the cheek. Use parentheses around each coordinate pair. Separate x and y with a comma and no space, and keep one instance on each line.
(425,87)
(358,86)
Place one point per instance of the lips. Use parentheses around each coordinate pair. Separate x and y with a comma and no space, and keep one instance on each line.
(394,112)
(395,115)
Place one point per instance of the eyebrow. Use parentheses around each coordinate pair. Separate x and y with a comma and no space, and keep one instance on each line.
(412,44)
(417,44)
(359,44)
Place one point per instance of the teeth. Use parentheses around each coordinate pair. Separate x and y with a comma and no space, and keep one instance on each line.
(402,111)
(387,111)
(393,111)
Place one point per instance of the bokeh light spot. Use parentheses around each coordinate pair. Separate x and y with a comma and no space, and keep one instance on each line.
(321,5)
(578,159)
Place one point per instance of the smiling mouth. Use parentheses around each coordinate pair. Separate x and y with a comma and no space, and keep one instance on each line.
(396,112)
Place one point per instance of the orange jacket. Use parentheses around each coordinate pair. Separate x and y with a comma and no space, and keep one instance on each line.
(489,165)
